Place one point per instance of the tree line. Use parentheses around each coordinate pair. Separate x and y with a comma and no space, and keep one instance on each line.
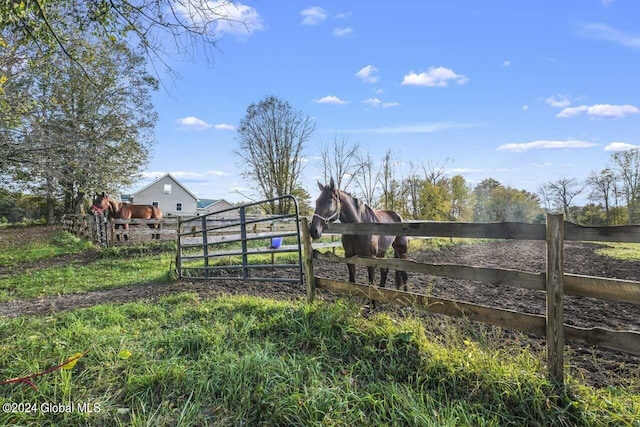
(613,193)
(272,144)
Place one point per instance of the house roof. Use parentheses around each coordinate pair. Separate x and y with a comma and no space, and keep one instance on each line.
(207,203)
(174,180)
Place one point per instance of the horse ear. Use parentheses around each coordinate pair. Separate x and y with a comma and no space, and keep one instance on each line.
(332,184)
(320,186)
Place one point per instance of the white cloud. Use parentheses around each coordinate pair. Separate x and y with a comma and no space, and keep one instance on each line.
(330,99)
(434,77)
(366,74)
(558,101)
(342,32)
(376,102)
(463,171)
(620,146)
(417,128)
(343,15)
(525,107)
(606,3)
(540,165)
(221,17)
(194,176)
(313,15)
(572,111)
(544,144)
(193,123)
(604,32)
(506,63)
(224,126)
(185,175)
(605,111)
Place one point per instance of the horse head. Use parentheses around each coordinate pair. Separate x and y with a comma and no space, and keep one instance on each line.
(327,209)
(100,203)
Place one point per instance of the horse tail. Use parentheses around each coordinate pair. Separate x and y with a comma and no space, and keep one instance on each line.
(157,213)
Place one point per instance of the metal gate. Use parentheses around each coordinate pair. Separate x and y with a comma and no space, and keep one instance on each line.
(236,244)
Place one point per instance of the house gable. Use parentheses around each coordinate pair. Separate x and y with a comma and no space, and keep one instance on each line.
(169,195)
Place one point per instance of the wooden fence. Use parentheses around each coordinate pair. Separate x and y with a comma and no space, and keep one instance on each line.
(554,281)
(111,232)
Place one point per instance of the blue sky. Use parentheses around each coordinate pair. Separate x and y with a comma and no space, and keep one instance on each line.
(521,91)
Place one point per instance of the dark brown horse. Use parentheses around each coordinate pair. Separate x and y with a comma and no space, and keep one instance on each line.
(334,204)
(121,210)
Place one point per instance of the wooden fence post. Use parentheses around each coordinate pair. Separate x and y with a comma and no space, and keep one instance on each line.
(309,276)
(205,246)
(179,249)
(555,297)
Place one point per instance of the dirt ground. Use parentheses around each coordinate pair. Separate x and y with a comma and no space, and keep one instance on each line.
(597,367)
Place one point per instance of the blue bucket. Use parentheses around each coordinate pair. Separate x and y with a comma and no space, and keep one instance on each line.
(276,242)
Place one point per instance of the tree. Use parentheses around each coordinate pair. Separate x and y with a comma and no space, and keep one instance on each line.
(82,136)
(461,199)
(495,202)
(562,192)
(435,200)
(389,185)
(339,161)
(367,178)
(627,164)
(411,190)
(602,189)
(147,25)
(272,137)
(483,191)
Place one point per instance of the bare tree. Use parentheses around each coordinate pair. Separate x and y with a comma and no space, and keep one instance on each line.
(411,187)
(339,160)
(271,137)
(562,192)
(433,172)
(390,186)
(627,164)
(602,189)
(367,177)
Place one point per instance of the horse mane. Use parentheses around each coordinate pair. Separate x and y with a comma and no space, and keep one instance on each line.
(361,206)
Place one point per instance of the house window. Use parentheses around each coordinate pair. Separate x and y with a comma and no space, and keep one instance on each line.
(178,207)
(167,189)
(154,204)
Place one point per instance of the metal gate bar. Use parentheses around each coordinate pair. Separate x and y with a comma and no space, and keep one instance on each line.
(208,244)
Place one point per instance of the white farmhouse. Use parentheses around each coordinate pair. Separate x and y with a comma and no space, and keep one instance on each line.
(173,198)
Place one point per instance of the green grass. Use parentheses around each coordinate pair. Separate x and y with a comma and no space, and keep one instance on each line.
(621,251)
(114,267)
(103,273)
(58,243)
(186,361)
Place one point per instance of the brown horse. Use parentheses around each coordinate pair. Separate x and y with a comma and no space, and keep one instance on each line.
(121,210)
(334,204)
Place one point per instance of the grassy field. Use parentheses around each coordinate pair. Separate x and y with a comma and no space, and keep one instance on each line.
(623,251)
(251,361)
(111,268)
(187,361)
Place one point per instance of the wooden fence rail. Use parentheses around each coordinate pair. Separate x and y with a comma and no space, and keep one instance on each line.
(554,281)
(111,232)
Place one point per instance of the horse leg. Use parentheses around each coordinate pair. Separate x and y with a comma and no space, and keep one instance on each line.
(400,249)
(371,271)
(401,280)
(154,235)
(383,276)
(126,234)
(352,272)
